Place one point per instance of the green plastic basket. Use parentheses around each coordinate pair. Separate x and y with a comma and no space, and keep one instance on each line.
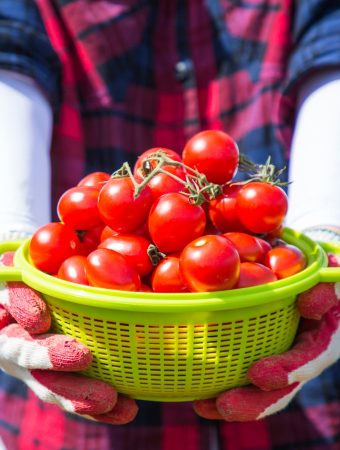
(176,347)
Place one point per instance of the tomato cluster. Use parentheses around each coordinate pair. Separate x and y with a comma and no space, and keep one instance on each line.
(171,224)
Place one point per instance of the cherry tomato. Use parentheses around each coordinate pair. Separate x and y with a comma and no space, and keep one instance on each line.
(167,276)
(77,207)
(253,274)
(222,210)
(261,207)
(118,207)
(266,246)
(248,246)
(51,244)
(163,184)
(210,263)
(111,270)
(285,260)
(213,153)
(135,248)
(152,163)
(95,179)
(73,269)
(174,222)
(107,232)
(89,239)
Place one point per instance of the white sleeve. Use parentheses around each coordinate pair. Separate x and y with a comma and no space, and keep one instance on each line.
(25,138)
(314,194)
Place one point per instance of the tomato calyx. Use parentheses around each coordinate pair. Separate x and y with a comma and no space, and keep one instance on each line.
(155,255)
(266,172)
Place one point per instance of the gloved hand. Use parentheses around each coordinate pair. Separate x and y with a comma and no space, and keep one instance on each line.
(48,363)
(276,379)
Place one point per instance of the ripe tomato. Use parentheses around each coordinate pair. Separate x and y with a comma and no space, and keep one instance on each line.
(107,232)
(89,240)
(109,269)
(222,210)
(77,207)
(95,179)
(134,248)
(285,260)
(174,222)
(210,263)
(253,274)
(118,207)
(266,246)
(73,269)
(163,184)
(167,276)
(248,246)
(51,244)
(213,153)
(152,163)
(261,207)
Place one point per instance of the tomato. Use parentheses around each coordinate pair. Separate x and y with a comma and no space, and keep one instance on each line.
(210,263)
(51,244)
(118,207)
(285,260)
(163,184)
(95,179)
(109,269)
(167,276)
(253,274)
(174,222)
(152,163)
(261,207)
(73,269)
(77,207)
(213,153)
(107,232)
(135,248)
(89,240)
(266,246)
(248,246)
(222,210)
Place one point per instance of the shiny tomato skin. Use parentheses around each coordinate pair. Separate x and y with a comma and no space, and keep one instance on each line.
(213,153)
(89,239)
(247,246)
(109,269)
(285,260)
(95,179)
(163,184)
(118,207)
(134,248)
(170,153)
(210,263)
(73,269)
(261,207)
(174,222)
(222,210)
(107,232)
(266,246)
(254,274)
(167,276)
(51,244)
(77,207)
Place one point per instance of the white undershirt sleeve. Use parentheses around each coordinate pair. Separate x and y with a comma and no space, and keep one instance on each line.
(314,194)
(25,138)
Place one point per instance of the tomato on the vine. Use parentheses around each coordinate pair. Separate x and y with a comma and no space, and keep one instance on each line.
(152,162)
(285,260)
(95,179)
(222,210)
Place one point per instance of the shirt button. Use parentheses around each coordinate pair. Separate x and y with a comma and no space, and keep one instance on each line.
(183,70)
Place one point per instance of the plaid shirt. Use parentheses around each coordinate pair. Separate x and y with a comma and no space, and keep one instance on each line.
(126,76)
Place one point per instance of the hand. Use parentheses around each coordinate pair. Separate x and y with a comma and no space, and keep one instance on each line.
(276,379)
(48,363)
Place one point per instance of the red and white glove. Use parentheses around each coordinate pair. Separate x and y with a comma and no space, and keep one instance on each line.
(48,363)
(276,379)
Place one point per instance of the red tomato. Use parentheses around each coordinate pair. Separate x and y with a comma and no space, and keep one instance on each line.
(107,232)
(89,240)
(95,179)
(111,270)
(152,163)
(167,276)
(248,246)
(210,263)
(51,244)
(213,153)
(118,207)
(77,207)
(174,222)
(73,269)
(135,248)
(222,210)
(253,274)
(163,184)
(266,246)
(261,207)
(285,260)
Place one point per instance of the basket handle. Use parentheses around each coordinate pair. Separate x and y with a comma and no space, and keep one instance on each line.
(330,274)
(10,273)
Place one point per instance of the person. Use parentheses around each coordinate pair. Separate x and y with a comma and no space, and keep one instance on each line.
(88,85)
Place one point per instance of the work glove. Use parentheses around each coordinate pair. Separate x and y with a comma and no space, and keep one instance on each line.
(275,380)
(48,363)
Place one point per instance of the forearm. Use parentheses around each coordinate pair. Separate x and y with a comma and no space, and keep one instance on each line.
(25,136)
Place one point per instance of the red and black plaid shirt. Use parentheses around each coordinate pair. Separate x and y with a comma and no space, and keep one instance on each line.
(124,76)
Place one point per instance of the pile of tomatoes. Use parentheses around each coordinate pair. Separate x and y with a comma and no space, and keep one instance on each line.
(170,224)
